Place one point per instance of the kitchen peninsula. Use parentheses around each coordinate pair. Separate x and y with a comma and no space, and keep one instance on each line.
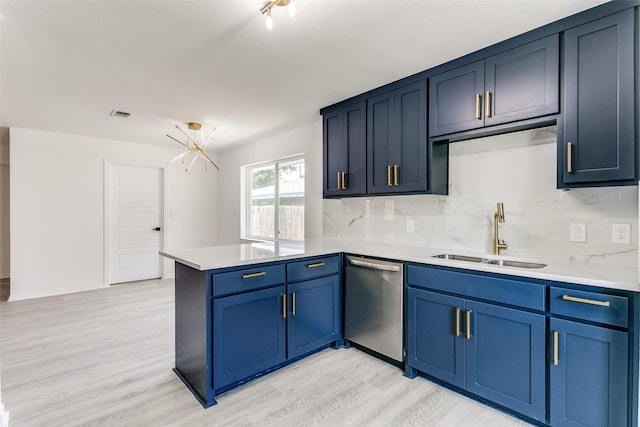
(240,313)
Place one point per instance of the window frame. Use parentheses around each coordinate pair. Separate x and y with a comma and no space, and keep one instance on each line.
(246,199)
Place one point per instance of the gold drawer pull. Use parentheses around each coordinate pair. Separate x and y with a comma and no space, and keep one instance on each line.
(344,184)
(389,176)
(339,185)
(252,275)
(487,102)
(586,301)
(556,359)
(395,175)
(284,305)
(458,332)
(469,324)
(569,158)
(478,101)
(293,303)
(317,264)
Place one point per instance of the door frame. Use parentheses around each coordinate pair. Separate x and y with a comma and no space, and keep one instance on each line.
(108,168)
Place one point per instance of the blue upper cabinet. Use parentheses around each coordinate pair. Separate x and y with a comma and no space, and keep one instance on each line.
(596,137)
(397,141)
(518,84)
(344,140)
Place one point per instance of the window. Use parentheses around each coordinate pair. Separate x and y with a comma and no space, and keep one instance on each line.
(275,200)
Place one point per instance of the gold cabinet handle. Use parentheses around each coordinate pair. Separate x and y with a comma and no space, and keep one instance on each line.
(339,186)
(389,176)
(252,275)
(478,101)
(458,332)
(293,303)
(395,175)
(569,158)
(556,359)
(487,104)
(284,305)
(344,181)
(317,264)
(469,324)
(586,301)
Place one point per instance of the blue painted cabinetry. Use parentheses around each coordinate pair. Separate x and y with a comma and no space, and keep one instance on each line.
(344,151)
(495,352)
(597,136)
(558,354)
(234,324)
(520,83)
(397,140)
(589,365)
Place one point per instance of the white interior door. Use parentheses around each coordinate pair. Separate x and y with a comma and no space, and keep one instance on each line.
(135,223)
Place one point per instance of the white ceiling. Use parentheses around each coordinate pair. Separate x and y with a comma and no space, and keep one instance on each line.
(66,64)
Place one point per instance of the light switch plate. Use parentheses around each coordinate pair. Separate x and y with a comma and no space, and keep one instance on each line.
(621,234)
(578,232)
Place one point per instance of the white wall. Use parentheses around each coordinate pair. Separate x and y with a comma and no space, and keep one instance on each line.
(518,169)
(4,204)
(306,140)
(57,208)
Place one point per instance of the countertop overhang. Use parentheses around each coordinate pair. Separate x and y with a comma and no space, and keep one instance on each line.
(583,273)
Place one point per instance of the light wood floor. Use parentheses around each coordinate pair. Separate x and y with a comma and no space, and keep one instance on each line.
(104,358)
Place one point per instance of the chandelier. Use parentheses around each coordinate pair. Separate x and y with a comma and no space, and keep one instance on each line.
(196,145)
(266,9)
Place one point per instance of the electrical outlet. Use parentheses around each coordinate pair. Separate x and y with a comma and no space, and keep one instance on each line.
(621,234)
(578,232)
(411,226)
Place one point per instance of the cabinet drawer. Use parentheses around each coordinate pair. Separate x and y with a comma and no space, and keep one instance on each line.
(248,279)
(311,268)
(592,306)
(506,289)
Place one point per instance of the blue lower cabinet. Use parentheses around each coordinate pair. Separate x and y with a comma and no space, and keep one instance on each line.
(314,314)
(433,347)
(589,378)
(494,352)
(249,335)
(505,357)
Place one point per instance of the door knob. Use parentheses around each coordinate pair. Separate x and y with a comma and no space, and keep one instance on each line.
(156,229)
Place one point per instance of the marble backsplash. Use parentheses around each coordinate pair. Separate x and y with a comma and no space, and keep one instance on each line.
(518,169)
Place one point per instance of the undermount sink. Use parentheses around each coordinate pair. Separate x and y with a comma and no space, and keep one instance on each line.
(499,262)
(460,257)
(519,264)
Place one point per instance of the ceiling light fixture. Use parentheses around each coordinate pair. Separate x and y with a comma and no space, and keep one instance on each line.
(192,145)
(266,9)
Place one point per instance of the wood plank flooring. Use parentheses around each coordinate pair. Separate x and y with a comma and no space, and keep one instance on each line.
(104,358)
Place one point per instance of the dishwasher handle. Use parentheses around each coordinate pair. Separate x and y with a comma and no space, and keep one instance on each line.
(373,265)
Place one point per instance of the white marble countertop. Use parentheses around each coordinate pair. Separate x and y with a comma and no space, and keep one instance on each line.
(214,257)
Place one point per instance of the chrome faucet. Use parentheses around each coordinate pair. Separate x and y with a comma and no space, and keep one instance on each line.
(498,217)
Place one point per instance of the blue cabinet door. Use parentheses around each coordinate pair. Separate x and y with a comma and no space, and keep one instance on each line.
(434,345)
(314,314)
(589,375)
(249,335)
(380,143)
(397,141)
(596,137)
(523,83)
(344,151)
(455,100)
(410,148)
(505,358)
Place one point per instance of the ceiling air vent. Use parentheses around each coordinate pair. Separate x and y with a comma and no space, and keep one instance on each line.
(116,113)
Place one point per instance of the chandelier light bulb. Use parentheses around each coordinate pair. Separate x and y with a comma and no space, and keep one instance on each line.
(269,21)
(292,8)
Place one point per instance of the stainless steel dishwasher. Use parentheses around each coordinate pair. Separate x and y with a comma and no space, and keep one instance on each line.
(373,305)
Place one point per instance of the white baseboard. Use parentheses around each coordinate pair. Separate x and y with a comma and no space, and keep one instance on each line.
(12,297)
